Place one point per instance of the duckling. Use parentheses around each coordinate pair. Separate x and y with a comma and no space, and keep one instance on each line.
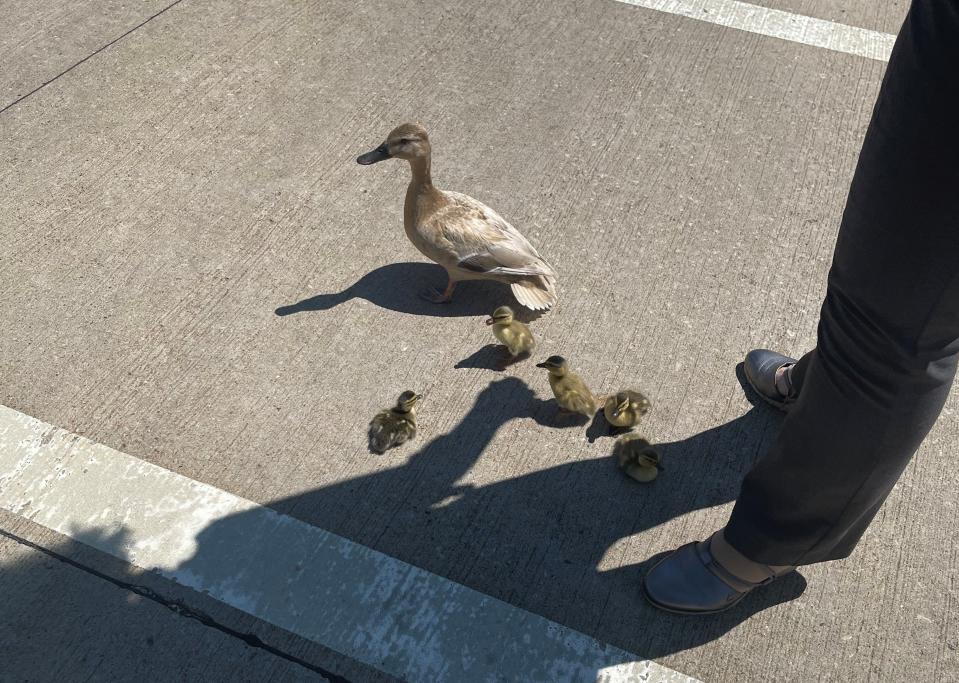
(571,392)
(637,457)
(396,425)
(625,409)
(466,237)
(515,336)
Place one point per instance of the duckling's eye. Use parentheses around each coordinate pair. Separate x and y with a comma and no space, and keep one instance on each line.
(405,141)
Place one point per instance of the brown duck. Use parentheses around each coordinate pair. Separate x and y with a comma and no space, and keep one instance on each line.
(466,237)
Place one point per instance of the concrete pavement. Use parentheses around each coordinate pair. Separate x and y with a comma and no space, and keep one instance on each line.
(196,273)
(62,623)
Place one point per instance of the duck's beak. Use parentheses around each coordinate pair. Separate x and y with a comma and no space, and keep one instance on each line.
(379,154)
(542,365)
(490,321)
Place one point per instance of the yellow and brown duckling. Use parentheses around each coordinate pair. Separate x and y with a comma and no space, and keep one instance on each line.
(625,409)
(637,457)
(394,426)
(515,336)
(571,392)
(466,237)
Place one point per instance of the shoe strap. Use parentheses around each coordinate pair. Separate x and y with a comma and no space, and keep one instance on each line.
(737,584)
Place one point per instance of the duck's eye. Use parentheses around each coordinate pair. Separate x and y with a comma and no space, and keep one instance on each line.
(405,141)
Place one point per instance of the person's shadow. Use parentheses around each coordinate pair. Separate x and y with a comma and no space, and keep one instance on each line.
(396,287)
(538,540)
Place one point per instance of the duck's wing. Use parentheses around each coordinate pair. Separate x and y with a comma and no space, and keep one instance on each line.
(638,401)
(484,242)
(379,432)
(387,431)
(578,396)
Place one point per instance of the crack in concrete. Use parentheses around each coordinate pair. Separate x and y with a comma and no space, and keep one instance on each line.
(180,608)
(91,55)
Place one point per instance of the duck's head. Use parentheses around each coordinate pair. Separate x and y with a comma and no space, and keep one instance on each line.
(501,316)
(649,458)
(638,450)
(622,403)
(556,365)
(406,141)
(407,401)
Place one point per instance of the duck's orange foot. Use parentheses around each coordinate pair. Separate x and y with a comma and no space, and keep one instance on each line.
(438,297)
(435,296)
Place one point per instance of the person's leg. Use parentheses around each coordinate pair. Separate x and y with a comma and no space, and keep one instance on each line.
(797,373)
(888,338)
(889,330)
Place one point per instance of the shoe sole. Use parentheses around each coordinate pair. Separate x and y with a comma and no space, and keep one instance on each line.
(691,613)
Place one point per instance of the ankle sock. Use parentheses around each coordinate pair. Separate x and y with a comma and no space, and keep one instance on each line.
(783,381)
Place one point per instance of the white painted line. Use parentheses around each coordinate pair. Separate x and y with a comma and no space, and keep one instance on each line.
(371,607)
(779,24)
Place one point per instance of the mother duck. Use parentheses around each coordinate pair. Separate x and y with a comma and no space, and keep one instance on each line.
(463,235)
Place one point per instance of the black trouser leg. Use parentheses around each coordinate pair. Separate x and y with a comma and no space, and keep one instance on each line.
(888,337)
(798,373)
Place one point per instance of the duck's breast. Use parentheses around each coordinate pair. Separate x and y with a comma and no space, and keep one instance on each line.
(423,217)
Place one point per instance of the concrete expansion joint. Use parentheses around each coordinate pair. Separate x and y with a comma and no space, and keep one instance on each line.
(91,55)
(180,608)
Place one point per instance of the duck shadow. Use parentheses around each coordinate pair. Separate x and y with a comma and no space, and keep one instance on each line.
(538,539)
(396,287)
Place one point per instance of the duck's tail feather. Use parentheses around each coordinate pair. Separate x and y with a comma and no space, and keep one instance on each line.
(379,438)
(538,294)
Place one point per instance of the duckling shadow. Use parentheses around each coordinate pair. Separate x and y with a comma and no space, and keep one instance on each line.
(600,427)
(547,413)
(396,287)
(491,357)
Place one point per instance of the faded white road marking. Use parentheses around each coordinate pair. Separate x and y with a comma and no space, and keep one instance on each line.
(371,607)
(779,24)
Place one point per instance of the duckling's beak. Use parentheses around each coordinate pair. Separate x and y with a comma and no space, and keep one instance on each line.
(379,154)
(490,321)
(542,365)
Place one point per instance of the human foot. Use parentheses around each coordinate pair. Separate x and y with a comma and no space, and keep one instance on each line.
(692,580)
(770,375)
